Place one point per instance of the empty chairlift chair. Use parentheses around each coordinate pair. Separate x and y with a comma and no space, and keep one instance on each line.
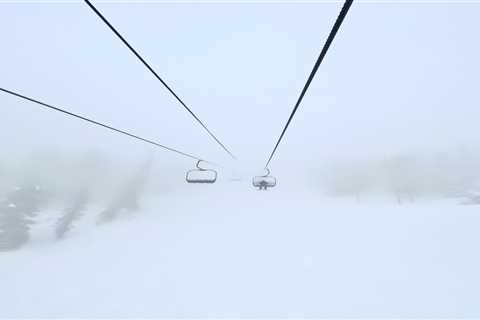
(201,175)
(264,182)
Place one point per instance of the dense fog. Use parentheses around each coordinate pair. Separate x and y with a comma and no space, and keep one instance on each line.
(452,173)
(370,204)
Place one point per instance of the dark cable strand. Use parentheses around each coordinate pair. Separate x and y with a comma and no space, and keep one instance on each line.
(103,125)
(99,14)
(329,41)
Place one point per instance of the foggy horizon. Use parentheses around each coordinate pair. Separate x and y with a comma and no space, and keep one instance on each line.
(371,205)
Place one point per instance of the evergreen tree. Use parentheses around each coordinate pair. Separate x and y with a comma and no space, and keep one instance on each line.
(14,227)
(17,213)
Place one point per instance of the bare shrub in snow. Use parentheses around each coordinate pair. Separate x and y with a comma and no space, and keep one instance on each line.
(403,179)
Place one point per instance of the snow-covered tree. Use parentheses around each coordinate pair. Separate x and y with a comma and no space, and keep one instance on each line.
(71,214)
(472,198)
(128,197)
(14,227)
(17,213)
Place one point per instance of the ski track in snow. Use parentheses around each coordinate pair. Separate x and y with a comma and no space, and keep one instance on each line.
(229,251)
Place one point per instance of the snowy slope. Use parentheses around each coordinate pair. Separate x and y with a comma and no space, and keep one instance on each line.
(229,251)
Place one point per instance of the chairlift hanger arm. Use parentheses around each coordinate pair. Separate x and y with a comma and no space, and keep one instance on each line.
(202,179)
(331,36)
(125,42)
(131,135)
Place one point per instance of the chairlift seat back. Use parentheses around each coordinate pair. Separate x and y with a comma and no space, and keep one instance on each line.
(201,176)
(264,181)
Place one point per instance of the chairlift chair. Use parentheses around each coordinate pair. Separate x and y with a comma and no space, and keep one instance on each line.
(201,175)
(264,182)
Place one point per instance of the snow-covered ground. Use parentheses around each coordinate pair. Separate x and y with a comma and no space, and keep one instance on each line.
(227,250)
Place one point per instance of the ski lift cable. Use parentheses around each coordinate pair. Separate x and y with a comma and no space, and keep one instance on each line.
(333,32)
(99,14)
(105,126)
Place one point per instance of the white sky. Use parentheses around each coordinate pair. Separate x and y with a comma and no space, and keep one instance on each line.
(400,77)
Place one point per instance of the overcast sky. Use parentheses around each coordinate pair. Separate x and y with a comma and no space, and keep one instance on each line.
(400,77)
